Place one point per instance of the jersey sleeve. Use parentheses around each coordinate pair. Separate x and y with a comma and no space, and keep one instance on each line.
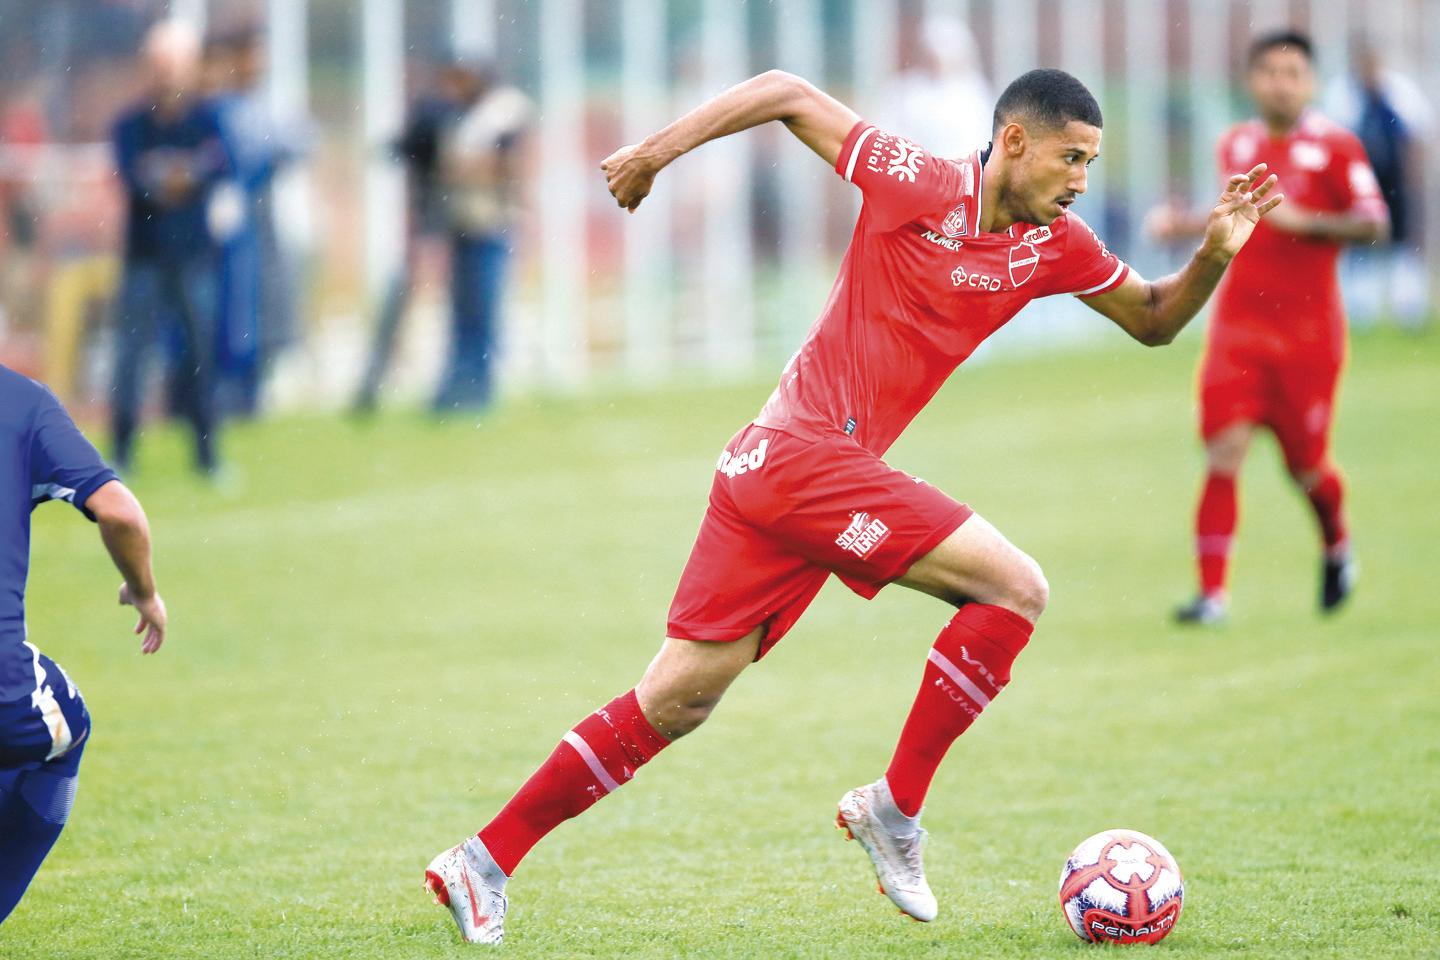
(1088,267)
(1352,179)
(63,464)
(898,179)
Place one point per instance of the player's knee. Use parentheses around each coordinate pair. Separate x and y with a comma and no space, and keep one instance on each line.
(676,715)
(1027,591)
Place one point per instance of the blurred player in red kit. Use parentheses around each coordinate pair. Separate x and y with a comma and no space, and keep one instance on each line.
(1276,340)
(945,252)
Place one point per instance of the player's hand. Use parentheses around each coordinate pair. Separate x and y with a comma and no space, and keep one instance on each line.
(152,617)
(1241,206)
(1292,219)
(629,174)
(1166,223)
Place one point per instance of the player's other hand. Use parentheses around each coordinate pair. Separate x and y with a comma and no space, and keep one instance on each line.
(152,617)
(629,174)
(1166,223)
(1241,206)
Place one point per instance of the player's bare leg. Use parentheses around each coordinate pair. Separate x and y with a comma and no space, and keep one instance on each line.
(1323,487)
(680,688)
(1001,592)
(1216,516)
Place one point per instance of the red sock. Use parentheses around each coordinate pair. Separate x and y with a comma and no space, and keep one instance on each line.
(601,753)
(968,666)
(1327,497)
(1215,531)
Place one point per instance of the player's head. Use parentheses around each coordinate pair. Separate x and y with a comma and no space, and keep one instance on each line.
(1282,76)
(1047,131)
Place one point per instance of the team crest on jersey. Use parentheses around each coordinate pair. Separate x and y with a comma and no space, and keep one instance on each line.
(954,223)
(1023,260)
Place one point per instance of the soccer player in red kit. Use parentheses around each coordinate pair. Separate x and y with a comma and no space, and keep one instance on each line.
(944,253)
(1276,340)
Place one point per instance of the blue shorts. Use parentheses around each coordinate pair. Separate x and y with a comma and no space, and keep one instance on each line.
(47,726)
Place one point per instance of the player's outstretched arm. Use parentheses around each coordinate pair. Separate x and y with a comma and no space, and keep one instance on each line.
(1153,312)
(1346,226)
(126,535)
(818,119)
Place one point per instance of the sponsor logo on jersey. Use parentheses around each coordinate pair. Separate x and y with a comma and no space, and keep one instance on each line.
(961,278)
(896,157)
(1037,236)
(1023,260)
(1362,180)
(1308,156)
(734,464)
(954,223)
(949,243)
(1243,149)
(863,534)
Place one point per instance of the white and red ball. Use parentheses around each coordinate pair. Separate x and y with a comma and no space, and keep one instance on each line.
(1121,886)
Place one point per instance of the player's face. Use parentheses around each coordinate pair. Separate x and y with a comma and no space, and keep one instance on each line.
(1053,169)
(1282,83)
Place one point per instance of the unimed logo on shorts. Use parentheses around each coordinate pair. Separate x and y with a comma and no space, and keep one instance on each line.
(863,535)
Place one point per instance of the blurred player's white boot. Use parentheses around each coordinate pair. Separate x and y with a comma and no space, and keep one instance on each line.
(1205,610)
(893,840)
(466,880)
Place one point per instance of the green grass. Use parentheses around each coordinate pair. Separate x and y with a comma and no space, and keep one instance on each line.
(385,630)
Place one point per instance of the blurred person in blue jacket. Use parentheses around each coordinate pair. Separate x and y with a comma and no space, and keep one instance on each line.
(256,289)
(172,157)
(1394,119)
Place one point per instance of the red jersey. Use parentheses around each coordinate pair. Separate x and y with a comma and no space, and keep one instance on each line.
(919,289)
(1282,292)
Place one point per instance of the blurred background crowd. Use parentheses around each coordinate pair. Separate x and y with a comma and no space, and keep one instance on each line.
(217,209)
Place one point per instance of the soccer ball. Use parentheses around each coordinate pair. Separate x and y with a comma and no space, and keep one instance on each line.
(1121,886)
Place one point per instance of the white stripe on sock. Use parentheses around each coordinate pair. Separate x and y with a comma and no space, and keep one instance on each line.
(962,681)
(593,762)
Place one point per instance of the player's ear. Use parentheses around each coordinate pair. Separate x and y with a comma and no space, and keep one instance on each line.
(1012,139)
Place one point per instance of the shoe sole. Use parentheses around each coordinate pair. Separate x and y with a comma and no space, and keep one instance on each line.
(436,886)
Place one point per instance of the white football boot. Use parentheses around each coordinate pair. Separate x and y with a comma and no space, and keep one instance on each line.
(893,840)
(459,880)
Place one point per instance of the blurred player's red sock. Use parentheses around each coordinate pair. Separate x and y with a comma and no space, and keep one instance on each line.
(968,666)
(601,753)
(1327,496)
(1215,531)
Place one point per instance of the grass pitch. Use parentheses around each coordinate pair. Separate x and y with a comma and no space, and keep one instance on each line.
(391,624)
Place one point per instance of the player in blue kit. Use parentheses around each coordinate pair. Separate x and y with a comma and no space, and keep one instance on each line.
(43,721)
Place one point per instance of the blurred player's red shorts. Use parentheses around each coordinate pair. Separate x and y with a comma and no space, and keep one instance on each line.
(1291,393)
(787,512)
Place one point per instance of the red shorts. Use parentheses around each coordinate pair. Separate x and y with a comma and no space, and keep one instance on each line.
(784,514)
(1293,395)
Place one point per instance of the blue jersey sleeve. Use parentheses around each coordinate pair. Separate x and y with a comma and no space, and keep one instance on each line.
(63,464)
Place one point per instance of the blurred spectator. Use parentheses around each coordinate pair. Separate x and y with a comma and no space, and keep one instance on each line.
(23,135)
(172,156)
(256,298)
(939,97)
(482,169)
(1391,115)
(418,147)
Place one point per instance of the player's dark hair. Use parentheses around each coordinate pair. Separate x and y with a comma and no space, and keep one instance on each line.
(1051,98)
(1293,39)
